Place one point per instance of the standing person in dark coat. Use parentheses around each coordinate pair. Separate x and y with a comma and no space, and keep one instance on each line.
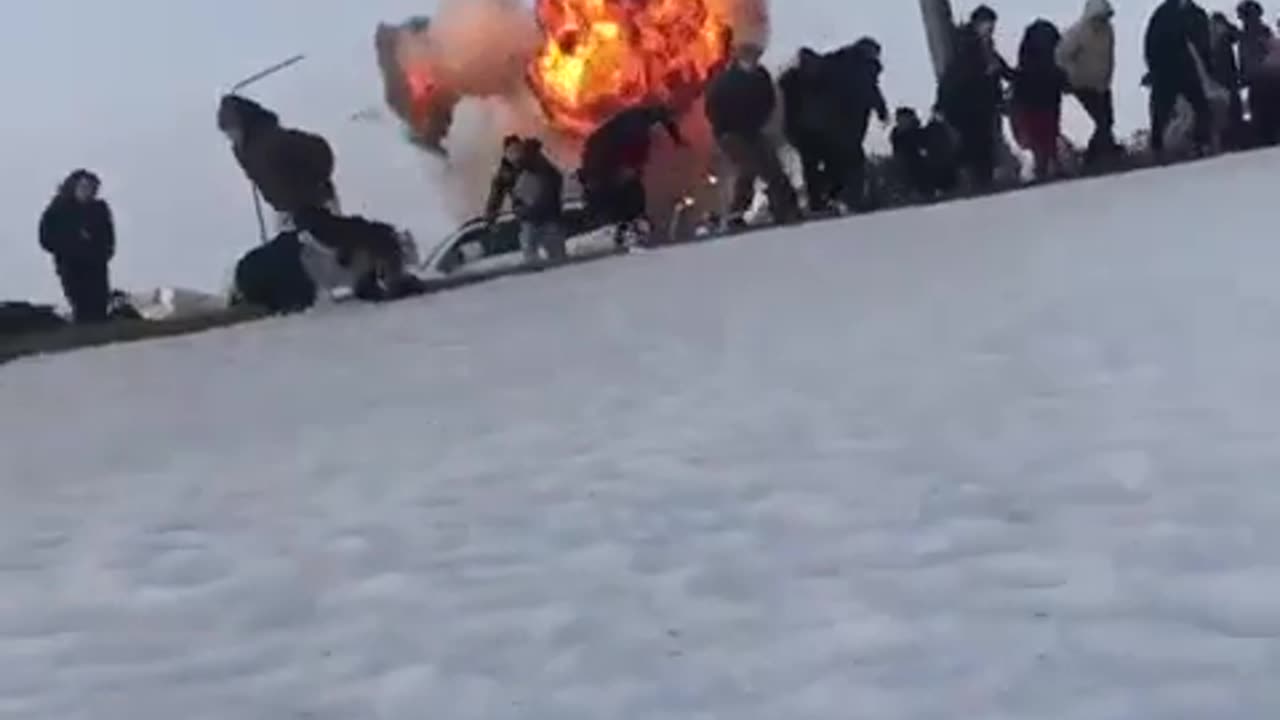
(1225,70)
(806,121)
(614,158)
(1087,54)
(1038,86)
(971,93)
(77,230)
(739,103)
(1255,44)
(536,188)
(1176,44)
(852,78)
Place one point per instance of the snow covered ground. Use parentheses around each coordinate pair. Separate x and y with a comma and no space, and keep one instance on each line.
(130,90)
(1004,459)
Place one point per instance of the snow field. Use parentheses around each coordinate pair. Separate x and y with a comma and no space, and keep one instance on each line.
(1007,458)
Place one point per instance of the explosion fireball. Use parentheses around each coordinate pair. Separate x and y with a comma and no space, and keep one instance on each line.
(601,56)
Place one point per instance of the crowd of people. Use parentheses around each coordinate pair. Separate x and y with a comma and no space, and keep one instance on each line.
(1225,76)
(1221,78)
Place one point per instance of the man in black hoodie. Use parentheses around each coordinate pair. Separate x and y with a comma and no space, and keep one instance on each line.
(739,103)
(971,94)
(614,158)
(852,78)
(807,110)
(1176,46)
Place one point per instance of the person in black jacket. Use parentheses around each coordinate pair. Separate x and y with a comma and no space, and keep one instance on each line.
(1177,38)
(536,188)
(77,229)
(852,79)
(807,113)
(923,155)
(614,158)
(971,93)
(739,103)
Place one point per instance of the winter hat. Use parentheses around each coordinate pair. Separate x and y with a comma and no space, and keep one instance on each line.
(510,140)
(983,13)
(68,186)
(1249,10)
(240,112)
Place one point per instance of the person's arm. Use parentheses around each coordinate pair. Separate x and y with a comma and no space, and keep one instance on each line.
(499,188)
(108,231)
(880,105)
(1067,54)
(50,232)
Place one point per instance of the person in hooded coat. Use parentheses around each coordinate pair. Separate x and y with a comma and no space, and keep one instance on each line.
(293,170)
(77,230)
(1264,99)
(971,93)
(1087,54)
(806,119)
(1176,45)
(1038,86)
(614,158)
(852,80)
(536,188)
(740,101)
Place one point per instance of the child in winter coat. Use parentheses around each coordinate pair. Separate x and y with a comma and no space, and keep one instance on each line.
(77,230)
(1038,86)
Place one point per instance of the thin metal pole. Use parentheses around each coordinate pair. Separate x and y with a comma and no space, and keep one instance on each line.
(238,87)
(939,25)
(267,72)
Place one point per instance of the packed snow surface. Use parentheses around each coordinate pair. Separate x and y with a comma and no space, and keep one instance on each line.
(1004,459)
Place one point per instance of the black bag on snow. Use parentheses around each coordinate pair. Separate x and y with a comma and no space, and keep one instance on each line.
(22,318)
(273,277)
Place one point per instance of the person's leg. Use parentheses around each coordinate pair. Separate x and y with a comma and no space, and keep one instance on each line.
(71,290)
(814,172)
(742,157)
(1095,105)
(853,183)
(97,288)
(552,239)
(1193,90)
(1162,100)
(529,240)
(782,194)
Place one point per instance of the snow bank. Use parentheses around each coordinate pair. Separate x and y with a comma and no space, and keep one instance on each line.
(1009,458)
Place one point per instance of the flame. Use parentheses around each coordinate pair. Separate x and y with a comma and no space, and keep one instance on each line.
(602,56)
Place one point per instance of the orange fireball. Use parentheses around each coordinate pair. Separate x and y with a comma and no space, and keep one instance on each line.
(601,56)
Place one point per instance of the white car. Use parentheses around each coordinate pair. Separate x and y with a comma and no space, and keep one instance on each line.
(475,248)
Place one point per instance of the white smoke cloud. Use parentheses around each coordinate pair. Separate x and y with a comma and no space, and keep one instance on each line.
(480,48)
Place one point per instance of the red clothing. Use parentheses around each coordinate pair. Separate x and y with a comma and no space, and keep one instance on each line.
(1037,130)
